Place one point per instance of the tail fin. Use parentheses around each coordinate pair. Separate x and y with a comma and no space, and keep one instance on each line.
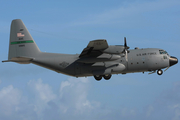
(21,44)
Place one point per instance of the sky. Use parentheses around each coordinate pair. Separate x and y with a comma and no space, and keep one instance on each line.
(30,92)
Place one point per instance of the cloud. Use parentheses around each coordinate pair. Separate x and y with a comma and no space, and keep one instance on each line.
(72,102)
(9,97)
(73,97)
(9,101)
(42,103)
(43,94)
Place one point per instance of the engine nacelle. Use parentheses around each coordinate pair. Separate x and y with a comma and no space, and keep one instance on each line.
(114,69)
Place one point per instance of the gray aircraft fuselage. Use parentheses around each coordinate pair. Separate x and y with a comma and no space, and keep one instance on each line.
(139,60)
(98,59)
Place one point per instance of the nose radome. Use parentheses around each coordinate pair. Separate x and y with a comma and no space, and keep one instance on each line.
(173,61)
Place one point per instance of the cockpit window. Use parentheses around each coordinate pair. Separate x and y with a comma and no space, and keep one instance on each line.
(162,52)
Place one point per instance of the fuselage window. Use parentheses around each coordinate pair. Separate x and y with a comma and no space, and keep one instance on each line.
(165,57)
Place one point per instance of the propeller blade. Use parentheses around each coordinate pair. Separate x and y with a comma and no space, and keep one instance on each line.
(126,55)
(125,49)
(125,44)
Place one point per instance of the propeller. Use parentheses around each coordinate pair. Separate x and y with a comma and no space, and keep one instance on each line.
(125,51)
(125,44)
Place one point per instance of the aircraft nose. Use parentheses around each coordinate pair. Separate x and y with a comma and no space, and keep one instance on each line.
(173,61)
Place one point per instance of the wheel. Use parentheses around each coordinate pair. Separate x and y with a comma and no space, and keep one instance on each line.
(107,77)
(160,72)
(98,77)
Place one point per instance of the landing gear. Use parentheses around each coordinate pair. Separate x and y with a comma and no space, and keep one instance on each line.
(159,72)
(107,77)
(98,77)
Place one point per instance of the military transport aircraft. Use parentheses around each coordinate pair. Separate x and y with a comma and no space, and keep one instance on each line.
(98,59)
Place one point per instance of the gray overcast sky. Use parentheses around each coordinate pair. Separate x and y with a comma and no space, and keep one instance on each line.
(30,92)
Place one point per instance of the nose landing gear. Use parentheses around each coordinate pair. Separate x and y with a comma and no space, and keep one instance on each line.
(159,72)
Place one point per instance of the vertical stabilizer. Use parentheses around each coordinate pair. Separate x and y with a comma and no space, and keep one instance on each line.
(21,43)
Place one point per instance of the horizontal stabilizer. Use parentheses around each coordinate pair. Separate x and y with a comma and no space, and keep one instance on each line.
(21,60)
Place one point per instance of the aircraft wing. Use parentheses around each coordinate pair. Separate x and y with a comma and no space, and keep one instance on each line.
(94,48)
